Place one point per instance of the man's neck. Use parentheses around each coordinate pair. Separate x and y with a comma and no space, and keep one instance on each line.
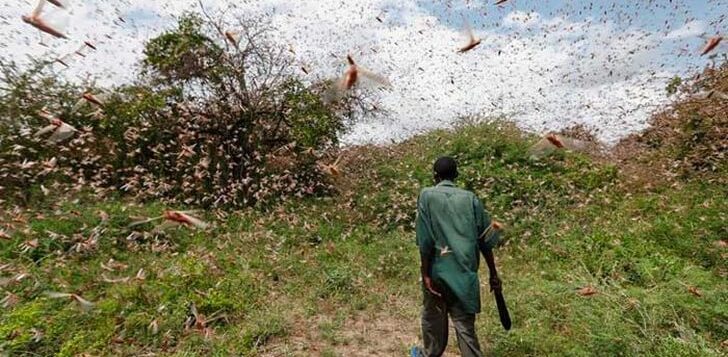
(445,182)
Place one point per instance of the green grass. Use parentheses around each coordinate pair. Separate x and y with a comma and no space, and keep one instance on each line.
(292,279)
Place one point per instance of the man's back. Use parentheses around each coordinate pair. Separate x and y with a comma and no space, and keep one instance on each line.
(448,225)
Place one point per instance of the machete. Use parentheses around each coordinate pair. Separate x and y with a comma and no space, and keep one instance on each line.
(505,318)
(487,252)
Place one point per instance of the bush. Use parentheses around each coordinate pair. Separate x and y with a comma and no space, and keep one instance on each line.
(27,161)
(215,119)
(689,139)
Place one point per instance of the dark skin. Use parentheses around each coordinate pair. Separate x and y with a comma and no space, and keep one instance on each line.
(426,270)
(495,283)
(426,262)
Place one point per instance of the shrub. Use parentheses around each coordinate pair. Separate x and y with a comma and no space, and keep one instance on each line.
(689,138)
(27,161)
(217,118)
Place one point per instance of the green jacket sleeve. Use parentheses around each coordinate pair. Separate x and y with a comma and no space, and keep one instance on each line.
(425,239)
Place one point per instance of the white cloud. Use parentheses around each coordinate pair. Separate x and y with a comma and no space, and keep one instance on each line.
(691,29)
(545,73)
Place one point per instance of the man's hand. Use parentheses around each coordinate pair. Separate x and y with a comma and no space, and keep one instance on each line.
(495,283)
(496,225)
(428,285)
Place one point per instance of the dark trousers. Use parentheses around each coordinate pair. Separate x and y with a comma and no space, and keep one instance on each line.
(435,327)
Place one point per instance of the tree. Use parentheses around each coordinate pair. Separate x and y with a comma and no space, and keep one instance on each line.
(216,118)
(244,128)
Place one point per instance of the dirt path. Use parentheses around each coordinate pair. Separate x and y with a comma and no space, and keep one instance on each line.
(389,332)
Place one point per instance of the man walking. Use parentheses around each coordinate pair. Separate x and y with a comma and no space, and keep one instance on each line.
(449,223)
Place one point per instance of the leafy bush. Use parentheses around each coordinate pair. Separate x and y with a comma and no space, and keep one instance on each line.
(690,137)
(28,161)
(215,119)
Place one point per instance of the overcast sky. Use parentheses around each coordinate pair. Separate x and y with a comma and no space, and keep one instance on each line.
(545,64)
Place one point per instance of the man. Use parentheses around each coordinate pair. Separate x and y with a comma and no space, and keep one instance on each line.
(449,223)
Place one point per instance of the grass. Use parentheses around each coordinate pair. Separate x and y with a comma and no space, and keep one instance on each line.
(293,280)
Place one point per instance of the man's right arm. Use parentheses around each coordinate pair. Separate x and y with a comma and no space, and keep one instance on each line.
(425,242)
(487,242)
(495,283)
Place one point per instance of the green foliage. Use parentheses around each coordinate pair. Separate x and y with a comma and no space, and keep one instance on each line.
(298,279)
(206,124)
(337,281)
(262,329)
(673,85)
(184,53)
(312,122)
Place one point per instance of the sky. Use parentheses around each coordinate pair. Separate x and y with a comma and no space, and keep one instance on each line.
(547,65)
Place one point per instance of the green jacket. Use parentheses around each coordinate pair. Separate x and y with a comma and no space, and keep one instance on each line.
(449,222)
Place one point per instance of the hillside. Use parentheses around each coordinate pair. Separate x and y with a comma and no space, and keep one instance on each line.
(338,276)
(305,246)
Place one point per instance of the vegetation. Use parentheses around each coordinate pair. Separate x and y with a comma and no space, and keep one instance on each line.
(300,278)
(215,120)
(689,139)
(620,254)
(673,86)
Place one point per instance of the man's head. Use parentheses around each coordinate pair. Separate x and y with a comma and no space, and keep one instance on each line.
(445,168)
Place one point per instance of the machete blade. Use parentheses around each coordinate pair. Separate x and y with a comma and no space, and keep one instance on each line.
(505,318)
